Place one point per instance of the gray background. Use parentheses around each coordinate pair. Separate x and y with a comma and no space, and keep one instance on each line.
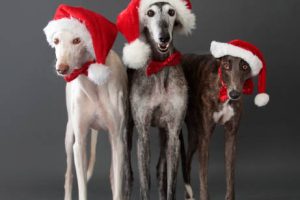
(33,114)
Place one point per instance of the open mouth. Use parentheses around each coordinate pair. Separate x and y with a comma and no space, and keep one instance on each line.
(163,47)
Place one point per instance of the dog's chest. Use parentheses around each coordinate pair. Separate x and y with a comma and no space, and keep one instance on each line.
(224,114)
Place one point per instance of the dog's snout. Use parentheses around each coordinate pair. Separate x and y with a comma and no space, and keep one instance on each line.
(62,69)
(234,94)
(165,38)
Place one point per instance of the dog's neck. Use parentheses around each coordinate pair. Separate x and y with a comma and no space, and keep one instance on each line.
(156,54)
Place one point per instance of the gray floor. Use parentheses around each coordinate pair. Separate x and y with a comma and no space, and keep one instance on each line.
(256,179)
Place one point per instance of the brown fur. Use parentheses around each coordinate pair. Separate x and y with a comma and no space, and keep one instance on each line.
(201,72)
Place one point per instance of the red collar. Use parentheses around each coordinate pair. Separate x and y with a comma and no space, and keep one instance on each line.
(223,94)
(76,72)
(154,67)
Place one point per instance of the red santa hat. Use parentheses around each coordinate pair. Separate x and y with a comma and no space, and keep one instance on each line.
(130,23)
(253,56)
(96,31)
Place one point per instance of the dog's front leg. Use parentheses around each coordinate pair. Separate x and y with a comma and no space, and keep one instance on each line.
(69,141)
(162,166)
(81,128)
(230,153)
(204,139)
(117,168)
(173,148)
(143,154)
(128,167)
(193,137)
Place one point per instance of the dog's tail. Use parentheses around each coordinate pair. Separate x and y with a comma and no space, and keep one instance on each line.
(94,137)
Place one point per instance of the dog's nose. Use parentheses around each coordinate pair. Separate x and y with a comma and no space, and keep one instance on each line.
(62,69)
(165,39)
(234,94)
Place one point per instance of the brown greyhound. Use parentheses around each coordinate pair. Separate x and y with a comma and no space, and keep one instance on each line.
(216,83)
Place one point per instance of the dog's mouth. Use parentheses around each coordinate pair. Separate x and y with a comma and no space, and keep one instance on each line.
(163,47)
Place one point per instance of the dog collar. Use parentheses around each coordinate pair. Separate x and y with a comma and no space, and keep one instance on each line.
(154,67)
(223,94)
(76,72)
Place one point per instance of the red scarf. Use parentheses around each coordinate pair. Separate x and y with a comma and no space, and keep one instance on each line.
(223,94)
(155,66)
(76,72)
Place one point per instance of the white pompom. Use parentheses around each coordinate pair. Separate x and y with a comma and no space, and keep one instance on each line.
(136,54)
(262,99)
(98,73)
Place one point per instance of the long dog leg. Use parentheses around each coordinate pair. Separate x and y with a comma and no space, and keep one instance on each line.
(162,167)
(128,169)
(173,148)
(69,141)
(204,140)
(79,148)
(118,164)
(143,154)
(230,154)
(192,147)
(91,165)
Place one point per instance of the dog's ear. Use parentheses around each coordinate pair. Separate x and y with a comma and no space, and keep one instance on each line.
(177,24)
(216,65)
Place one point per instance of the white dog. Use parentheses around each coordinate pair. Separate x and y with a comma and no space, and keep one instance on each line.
(96,94)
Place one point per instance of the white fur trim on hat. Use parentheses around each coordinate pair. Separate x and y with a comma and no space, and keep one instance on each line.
(71,25)
(98,73)
(219,49)
(184,14)
(136,54)
(262,99)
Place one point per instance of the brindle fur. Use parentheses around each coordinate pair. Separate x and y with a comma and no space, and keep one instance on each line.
(159,101)
(201,72)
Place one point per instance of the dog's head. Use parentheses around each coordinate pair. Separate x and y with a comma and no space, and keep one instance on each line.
(160,21)
(235,71)
(71,52)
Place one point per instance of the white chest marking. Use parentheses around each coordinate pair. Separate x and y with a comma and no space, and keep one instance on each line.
(225,114)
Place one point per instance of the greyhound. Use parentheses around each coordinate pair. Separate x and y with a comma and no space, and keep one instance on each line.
(205,111)
(92,107)
(216,84)
(159,100)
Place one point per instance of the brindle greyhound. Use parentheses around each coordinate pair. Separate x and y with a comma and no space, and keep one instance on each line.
(159,100)
(205,111)
(215,87)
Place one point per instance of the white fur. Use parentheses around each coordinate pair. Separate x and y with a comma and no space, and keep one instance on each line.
(262,99)
(184,15)
(93,148)
(98,73)
(189,191)
(66,53)
(90,106)
(100,108)
(70,25)
(136,54)
(219,49)
(226,113)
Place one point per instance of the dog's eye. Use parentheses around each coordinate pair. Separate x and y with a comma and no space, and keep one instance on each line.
(226,66)
(76,41)
(171,12)
(150,13)
(245,67)
(56,41)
